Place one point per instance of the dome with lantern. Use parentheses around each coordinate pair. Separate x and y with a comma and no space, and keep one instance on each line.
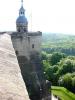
(21,22)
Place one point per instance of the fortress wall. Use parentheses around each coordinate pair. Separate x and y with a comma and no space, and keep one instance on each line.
(36,41)
(28,47)
(12,86)
(27,43)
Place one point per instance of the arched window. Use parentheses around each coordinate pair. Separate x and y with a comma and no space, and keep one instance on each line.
(21,12)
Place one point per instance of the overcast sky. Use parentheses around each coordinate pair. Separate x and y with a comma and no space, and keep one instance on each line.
(56,16)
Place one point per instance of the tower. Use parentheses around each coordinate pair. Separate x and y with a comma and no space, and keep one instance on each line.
(27,46)
(21,22)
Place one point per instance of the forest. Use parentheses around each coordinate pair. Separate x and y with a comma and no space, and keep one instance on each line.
(58,43)
(58,59)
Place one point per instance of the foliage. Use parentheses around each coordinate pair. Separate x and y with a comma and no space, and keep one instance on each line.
(58,43)
(66,81)
(44,55)
(46,65)
(56,57)
(59,69)
(51,74)
(67,67)
(73,84)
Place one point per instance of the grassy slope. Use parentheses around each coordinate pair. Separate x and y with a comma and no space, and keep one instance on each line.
(63,93)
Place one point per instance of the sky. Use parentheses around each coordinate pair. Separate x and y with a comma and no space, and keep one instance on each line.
(54,16)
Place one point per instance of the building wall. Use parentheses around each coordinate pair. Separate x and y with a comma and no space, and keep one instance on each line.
(28,50)
(25,44)
(34,43)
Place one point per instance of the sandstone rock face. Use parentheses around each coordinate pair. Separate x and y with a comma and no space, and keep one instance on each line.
(12,86)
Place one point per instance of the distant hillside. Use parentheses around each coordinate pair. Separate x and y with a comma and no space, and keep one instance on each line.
(60,42)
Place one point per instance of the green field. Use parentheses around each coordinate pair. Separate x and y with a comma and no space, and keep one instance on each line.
(62,93)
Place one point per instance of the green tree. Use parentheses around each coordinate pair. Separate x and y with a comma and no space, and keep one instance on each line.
(66,81)
(67,67)
(46,65)
(73,84)
(56,57)
(52,75)
(44,55)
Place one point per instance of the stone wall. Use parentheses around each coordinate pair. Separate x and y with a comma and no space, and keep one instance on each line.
(26,43)
(27,47)
(12,86)
(33,76)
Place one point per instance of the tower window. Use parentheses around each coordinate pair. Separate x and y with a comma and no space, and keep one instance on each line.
(21,12)
(32,45)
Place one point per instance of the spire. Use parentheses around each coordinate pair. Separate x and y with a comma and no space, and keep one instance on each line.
(22,2)
(22,10)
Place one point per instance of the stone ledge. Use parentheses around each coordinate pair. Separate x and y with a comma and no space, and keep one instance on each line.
(12,86)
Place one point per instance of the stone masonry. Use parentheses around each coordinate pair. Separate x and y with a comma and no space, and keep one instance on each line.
(12,86)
